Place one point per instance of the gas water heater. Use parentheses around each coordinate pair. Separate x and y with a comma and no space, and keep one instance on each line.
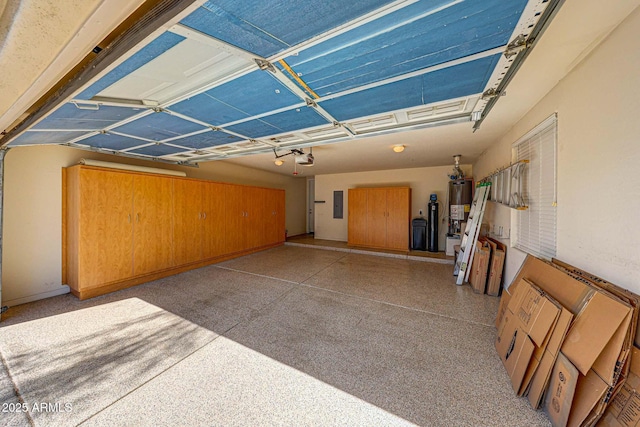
(460,199)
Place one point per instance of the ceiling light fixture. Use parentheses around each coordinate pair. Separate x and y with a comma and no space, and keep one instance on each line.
(398,148)
(279,162)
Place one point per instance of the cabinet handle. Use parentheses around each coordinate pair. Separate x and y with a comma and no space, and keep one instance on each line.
(204,215)
(129,218)
(138,217)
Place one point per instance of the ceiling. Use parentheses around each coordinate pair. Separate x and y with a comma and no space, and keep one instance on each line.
(229,80)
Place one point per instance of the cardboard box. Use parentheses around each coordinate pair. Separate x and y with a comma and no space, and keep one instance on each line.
(480,266)
(504,302)
(571,396)
(594,344)
(598,316)
(526,327)
(561,390)
(545,359)
(624,410)
(515,348)
(629,297)
(602,366)
(589,335)
(588,399)
(496,267)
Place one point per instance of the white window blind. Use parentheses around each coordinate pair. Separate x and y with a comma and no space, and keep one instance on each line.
(536,226)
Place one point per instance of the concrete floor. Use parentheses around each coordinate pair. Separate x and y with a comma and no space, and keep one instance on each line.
(308,240)
(289,336)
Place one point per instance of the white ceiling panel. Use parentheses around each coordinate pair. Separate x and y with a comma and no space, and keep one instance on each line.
(183,69)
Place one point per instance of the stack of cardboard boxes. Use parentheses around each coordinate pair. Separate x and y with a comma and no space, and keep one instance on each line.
(487,266)
(565,338)
(624,410)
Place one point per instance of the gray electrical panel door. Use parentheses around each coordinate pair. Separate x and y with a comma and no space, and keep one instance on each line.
(337,204)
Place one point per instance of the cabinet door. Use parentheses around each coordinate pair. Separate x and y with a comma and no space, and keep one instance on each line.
(281,214)
(357,212)
(256,219)
(153,225)
(105,249)
(187,223)
(377,217)
(213,219)
(274,211)
(235,218)
(398,208)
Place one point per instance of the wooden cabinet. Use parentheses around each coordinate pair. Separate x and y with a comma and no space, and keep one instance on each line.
(101,231)
(255,217)
(120,227)
(274,230)
(398,218)
(199,220)
(376,214)
(213,219)
(152,227)
(357,221)
(235,219)
(379,217)
(124,228)
(187,221)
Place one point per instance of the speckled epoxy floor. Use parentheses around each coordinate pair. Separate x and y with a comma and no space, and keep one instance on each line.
(289,336)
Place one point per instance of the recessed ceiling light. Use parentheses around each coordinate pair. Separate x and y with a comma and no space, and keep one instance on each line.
(279,162)
(398,148)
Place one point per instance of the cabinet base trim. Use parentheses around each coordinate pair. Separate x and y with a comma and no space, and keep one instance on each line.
(358,246)
(123,284)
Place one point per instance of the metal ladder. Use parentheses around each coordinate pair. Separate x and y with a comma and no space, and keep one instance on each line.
(471,232)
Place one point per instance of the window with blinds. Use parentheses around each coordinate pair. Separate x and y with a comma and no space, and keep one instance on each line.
(536,227)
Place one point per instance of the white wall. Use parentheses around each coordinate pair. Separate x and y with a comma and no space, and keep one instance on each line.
(423,182)
(32,233)
(598,106)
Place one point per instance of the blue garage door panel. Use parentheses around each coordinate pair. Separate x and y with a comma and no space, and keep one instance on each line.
(205,108)
(156,48)
(255,93)
(383,49)
(254,129)
(268,27)
(111,142)
(449,83)
(207,139)
(216,22)
(157,150)
(299,118)
(159,126)
(287,121)
(33,138)
(71,117)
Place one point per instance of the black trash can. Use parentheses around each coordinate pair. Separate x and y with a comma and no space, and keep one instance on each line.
(419,234)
